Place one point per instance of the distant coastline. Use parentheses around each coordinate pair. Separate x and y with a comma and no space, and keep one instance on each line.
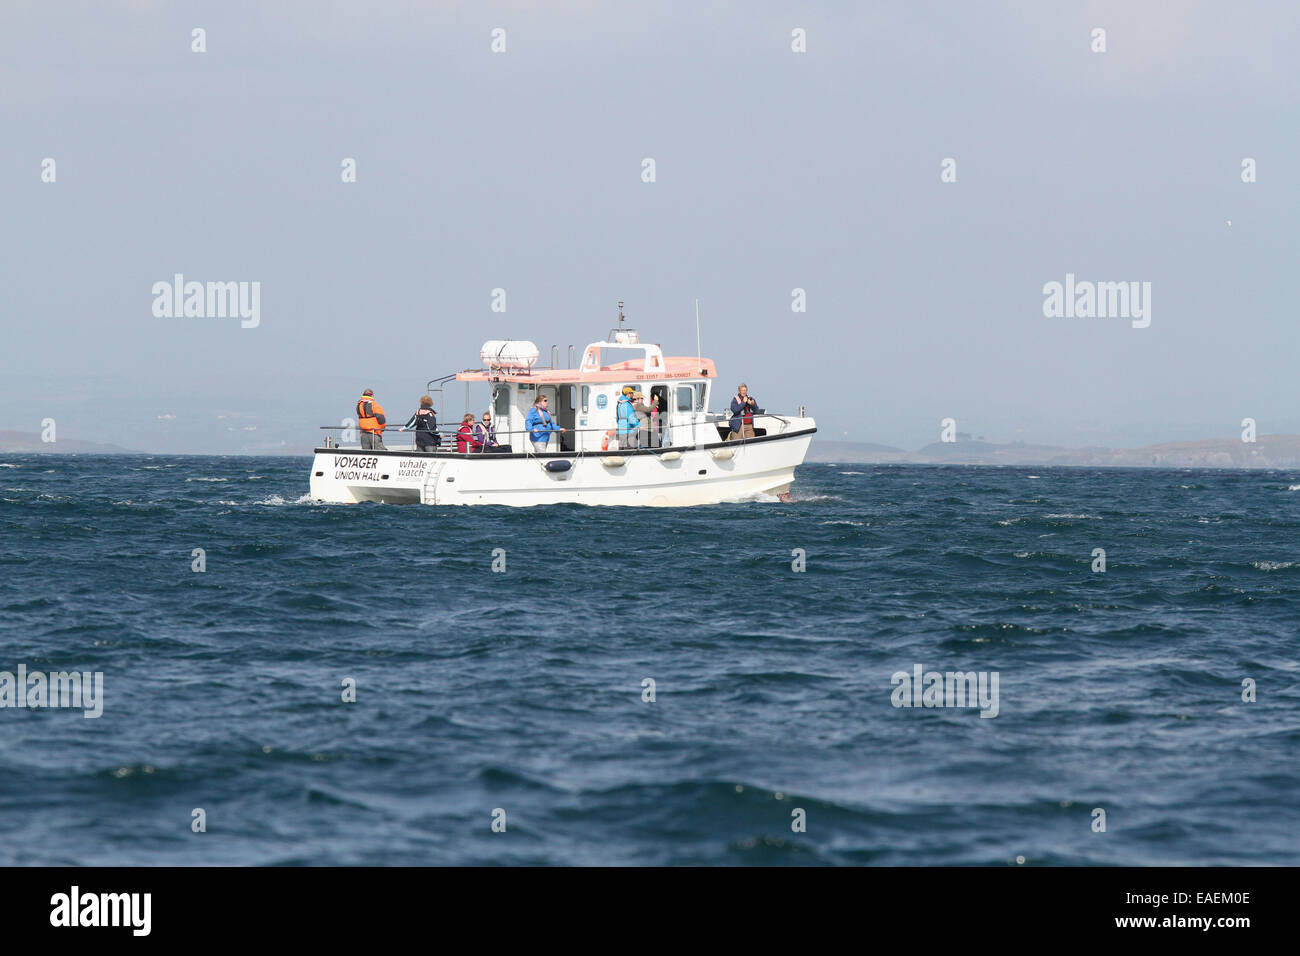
(29,443)
(1267,451)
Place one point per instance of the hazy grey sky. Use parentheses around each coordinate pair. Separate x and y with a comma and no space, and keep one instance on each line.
(775,170)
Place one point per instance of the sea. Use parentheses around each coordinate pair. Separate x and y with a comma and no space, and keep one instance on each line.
(901,665)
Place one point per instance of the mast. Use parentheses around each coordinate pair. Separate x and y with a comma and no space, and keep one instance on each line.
(621,335)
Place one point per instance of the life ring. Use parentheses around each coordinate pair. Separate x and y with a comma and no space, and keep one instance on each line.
(604,444)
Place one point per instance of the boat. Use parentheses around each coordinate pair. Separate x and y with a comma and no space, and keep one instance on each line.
(689,461)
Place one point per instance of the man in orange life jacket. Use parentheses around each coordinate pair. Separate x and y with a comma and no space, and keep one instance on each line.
(370,420)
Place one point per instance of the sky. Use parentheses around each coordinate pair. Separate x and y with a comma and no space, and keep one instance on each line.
(774,170)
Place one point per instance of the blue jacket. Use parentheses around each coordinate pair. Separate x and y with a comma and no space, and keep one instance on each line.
(737,408)
(540,425)
(626,415)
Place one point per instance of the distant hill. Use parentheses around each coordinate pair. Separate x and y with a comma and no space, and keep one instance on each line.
(1268,451)
(28,443)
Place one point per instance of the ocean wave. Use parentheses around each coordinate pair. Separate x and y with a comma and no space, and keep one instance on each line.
(1272,565)
(271,500)
(207,479)
(761,497)
(1054,516)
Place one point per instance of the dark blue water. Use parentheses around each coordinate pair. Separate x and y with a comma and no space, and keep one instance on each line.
(522,690)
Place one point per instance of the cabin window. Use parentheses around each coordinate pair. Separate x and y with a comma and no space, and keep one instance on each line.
(701,396)
(501,404)
(586,398)
(685,398)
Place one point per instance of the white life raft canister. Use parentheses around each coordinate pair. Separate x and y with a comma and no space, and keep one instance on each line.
(508,353)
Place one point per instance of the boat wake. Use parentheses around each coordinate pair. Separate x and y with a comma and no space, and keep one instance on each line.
(761,496)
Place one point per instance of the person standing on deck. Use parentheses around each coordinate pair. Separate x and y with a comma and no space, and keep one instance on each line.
(539,425)
(656,424)
(645,437)
(371,420)
(425,423)
(626,417)
(743,407)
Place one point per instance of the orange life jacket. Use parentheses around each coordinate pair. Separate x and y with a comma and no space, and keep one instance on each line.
(367,410)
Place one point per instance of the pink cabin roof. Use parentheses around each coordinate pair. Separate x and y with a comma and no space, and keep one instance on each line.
(630,371)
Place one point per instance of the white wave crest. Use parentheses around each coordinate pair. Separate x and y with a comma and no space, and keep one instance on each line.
(1271,565)
(751,496)
(277,500)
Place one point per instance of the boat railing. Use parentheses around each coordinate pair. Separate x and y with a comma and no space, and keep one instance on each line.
(448,435)
(519,440)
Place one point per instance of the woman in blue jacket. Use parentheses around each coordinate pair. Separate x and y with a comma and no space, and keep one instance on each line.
(539,425)
(628,423)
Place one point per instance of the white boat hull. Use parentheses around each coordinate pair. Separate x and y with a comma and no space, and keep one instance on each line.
(669,477)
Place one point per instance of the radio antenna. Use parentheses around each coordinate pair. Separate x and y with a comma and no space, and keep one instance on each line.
(698,354)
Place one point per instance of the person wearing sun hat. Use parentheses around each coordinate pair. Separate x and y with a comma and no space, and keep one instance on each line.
(628,423)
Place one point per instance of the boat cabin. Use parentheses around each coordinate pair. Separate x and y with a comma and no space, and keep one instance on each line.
(584,400)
